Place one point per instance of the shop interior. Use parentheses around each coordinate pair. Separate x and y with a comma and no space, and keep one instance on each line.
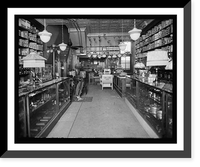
(128,87)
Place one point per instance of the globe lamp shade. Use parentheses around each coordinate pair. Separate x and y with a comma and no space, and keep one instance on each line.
(122,46)
(45,36)
(134,33)
(63,46)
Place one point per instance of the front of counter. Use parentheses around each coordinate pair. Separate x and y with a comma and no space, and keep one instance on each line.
(40,107)
(154,103)
(119,84)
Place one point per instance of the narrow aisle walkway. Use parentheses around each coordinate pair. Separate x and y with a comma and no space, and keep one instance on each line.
(107,116)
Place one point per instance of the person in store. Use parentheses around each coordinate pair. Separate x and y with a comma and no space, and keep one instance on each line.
(80,83)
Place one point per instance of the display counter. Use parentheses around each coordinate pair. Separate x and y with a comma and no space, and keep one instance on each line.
(119,84)
(154,103)
(41,106)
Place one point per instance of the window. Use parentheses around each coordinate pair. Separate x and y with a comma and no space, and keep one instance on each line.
(125,62)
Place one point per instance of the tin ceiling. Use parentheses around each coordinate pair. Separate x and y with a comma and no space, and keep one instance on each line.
(99,25)
(85,28)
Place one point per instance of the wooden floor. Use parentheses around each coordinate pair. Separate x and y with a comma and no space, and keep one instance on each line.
(106,116)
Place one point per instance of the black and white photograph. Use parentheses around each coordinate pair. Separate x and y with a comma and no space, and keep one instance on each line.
(93,77)
(88,82)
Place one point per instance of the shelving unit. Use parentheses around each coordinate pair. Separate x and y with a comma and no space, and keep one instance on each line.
(159,37)
(28,41)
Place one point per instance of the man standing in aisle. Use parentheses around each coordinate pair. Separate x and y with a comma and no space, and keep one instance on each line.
(80,84)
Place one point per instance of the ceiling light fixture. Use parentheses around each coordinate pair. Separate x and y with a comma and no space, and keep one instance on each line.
(62,46)
(135,33)
(45,35)
(122,45)
(119,55)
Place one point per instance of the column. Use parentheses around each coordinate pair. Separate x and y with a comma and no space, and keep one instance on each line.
(54,74)
(65,69)
(59,68)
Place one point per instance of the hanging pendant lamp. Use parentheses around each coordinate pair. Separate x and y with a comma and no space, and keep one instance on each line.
(104,55)
(122,45)
(119,55)
(45,35)
(135,33)
(62,46)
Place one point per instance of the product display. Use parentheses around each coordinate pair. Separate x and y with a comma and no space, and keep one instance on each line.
(48,84)
(159,37)
(29,40)
(154,104)
(44,104)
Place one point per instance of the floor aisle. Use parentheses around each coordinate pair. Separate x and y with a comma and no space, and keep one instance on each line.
(107,116)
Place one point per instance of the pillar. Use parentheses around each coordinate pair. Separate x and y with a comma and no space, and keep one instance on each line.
(59,68)
(65,69)
(54,73)
(132,60)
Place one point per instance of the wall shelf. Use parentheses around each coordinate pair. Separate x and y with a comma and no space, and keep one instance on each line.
(159,37)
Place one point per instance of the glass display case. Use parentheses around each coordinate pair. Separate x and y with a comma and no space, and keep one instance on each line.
(150,107)
(22,128)
(119,84)
(131,93)
(64,92)
(169,115)
(38,107)
(154,104)
(42,108)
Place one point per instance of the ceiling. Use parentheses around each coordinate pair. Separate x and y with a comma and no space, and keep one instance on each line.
(82,29)
(99,25)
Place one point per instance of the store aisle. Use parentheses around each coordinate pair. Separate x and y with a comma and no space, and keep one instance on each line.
(107,116)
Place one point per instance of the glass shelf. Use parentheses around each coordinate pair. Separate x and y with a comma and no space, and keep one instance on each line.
(64,94)
(22,118)
(42,109)
(169,126)
(150,106)
(39,107)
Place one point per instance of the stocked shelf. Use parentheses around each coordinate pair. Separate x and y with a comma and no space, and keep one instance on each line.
(154,30)
(154,38)
(28,38)
(28,41)
(157,44)
(34,107)
(159,37)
